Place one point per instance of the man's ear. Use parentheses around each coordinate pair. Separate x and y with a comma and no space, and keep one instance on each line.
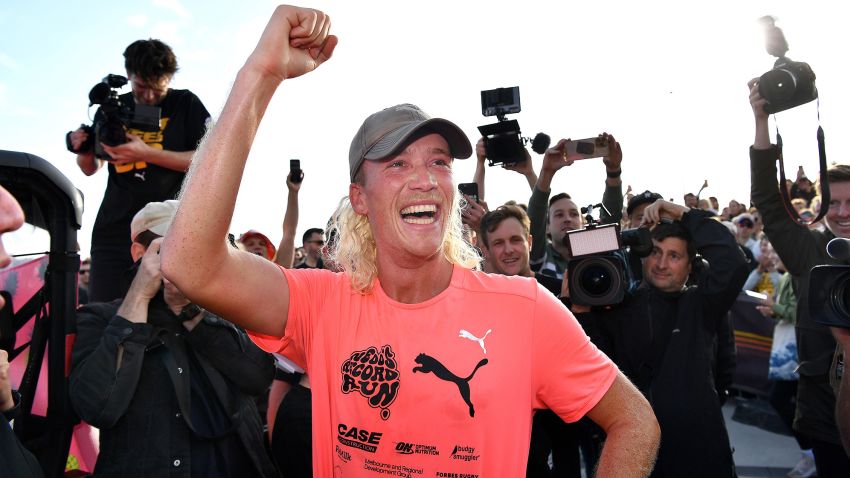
(530,243)
(137,251)
(356,196)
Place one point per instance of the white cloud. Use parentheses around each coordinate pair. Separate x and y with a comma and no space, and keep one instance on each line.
(138,21)
(173,5)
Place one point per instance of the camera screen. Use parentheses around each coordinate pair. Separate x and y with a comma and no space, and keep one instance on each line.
(593,241)
(500,101)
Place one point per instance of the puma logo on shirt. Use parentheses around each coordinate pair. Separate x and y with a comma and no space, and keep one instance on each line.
(468,335)
(430,364)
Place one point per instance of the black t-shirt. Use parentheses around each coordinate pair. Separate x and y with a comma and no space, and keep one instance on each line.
(183,123)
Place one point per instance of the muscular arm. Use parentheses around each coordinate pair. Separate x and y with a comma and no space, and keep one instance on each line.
(223,280)
(632,431)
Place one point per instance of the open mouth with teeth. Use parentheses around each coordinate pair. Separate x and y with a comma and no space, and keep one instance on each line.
(419,214)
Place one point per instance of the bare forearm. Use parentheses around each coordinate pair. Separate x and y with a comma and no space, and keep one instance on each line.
(628,452)
(88,163)
(544,182)
(175,160)
(532,179)
(209,195)
(286,251)
(478,178)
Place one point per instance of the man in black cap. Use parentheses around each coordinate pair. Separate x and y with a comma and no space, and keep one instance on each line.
(637,204)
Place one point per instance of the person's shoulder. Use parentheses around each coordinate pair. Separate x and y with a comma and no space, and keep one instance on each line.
(481,282)
(314,275)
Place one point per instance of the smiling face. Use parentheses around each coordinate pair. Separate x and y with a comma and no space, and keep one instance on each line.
(838,214)
(408,199)
(508,248)
(667,267)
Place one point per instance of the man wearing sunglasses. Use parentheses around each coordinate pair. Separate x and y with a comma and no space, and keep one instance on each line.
(313,242)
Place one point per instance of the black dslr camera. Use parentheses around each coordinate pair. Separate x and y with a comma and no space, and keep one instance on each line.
(829,288)
(503,141)
(599,271)
(789,83)
(115,117)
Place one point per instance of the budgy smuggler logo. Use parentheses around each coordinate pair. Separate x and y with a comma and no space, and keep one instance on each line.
(374,374)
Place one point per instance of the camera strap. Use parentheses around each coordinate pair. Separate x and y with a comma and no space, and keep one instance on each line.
(824,182)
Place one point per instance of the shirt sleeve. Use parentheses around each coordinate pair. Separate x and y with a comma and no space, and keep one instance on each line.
(570,375)
(309,290)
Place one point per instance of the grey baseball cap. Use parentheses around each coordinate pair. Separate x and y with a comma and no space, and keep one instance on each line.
(385,132)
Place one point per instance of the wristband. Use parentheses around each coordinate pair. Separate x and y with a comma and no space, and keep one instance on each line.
(614,174)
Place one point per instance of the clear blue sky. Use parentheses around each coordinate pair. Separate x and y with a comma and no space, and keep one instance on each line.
(667,78)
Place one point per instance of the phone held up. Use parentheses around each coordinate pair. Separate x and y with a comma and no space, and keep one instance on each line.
(469,189)
(295,172)
(588,148)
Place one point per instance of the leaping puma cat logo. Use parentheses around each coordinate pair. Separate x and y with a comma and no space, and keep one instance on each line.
(468,335)
(140,174)
(430,364)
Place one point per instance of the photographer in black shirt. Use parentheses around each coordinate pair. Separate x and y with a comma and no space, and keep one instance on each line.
(148,167)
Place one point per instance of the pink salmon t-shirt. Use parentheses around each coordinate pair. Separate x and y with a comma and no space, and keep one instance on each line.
(444,388)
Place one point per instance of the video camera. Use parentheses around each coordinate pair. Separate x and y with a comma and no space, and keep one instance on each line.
(599,271)
(503,141)
(115,117)
(829,288)
(789,83)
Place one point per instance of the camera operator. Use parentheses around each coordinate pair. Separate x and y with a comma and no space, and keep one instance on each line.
(149,167)
(800,249)
(662,335)
(549,258)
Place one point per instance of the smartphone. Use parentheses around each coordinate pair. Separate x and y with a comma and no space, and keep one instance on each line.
(469,189)
(588,148)
(295,170)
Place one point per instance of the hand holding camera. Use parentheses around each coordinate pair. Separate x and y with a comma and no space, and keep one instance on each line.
(148,279)
(660,211)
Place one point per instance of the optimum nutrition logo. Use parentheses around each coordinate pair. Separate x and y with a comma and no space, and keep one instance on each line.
(404,448)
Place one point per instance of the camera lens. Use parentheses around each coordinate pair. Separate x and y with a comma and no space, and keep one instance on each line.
(596,280)
(841,294)
(777,86)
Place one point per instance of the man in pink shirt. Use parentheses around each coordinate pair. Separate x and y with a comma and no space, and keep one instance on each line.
(419,365)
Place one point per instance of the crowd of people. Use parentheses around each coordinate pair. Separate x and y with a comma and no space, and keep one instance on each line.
(419,331)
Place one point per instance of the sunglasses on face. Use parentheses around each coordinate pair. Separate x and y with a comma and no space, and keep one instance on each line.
(319,242)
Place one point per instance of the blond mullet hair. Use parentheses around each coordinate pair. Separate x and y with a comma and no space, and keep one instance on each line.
(355,252)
